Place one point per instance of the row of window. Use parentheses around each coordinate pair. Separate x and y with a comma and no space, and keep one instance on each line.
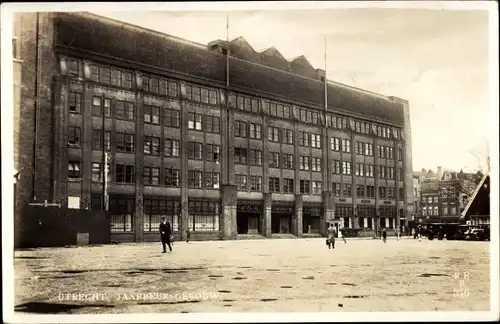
(362,191)
(107,75)
(341,145)
(385,151)
(160,86)
(434,211)
(305,186)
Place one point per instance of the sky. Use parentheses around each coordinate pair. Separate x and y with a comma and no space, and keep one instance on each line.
(435,59)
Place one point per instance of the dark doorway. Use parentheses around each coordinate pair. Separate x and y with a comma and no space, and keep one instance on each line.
(248,216)
(311,218)
(281,223)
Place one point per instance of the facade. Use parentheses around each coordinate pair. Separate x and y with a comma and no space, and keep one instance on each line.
(417,212)
(222,145)
(477,211)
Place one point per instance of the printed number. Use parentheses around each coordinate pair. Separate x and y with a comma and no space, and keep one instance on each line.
(461,292)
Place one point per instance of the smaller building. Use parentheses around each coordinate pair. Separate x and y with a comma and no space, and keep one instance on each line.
(477,210)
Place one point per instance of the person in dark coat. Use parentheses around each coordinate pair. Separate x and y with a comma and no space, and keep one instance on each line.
(165,232)
(384,235)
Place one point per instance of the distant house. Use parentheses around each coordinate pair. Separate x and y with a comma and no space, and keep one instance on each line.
(477,210)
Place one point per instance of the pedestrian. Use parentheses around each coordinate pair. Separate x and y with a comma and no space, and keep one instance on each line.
(188,235)
(330,241)
(413,233)
(341,235)
(397,234)
(165,232)
(384,235)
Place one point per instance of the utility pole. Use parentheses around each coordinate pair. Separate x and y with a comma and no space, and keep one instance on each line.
(105,182)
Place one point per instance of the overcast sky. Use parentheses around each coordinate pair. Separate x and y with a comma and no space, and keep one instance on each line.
(436,59)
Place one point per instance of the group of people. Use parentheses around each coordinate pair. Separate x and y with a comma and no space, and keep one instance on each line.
(330,241)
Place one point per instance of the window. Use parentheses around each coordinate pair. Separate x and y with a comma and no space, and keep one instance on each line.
(360,169)
(255,105)
(391,193)
(241,103)
(369,149)
(124,110)
(273,134)
(94,73)
(401,193)
(172,177)
(336,188)
(73,66)
(347,192)
(74,170)
(346,146)
(369,170)
(304,163)
(151,114)
(255,157)
(288,161)
(240,155)
(124,173)
(304,139)
(196,94)
(435,199)
(124,142)
(316,164)
(171,118)
(304,187)
(155,209)
(127,80)
(274,184)
(424,211)
(360,148)
(74,136)
(203,215)
(204,96)
(287,136)
(316,187)
(255,183)
(336,167)
(335,144)
(241,181)
(274,109)
(400,154)
(212,152)
(212,180)
(274,159)
(390,152)
(370,191)
(195,179)
(97,140)
(195,151)
(436,211)
(151,176)
(240,129)
(212,124)
(390,173)
(232,101)
(96,106)
(360,191)
(194,121)
(96,172)
(75,102)
(315,141)
(382,192)
(213,97)
(288,185)
(105,75)
(189,92)
(172,147)
(121,211)
(453,211)
(151,145)
(381,171)
(346,167)
(116,77)
(255,131)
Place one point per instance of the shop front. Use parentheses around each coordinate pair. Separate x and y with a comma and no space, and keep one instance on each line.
(281,217)
(248,213)
(311,213)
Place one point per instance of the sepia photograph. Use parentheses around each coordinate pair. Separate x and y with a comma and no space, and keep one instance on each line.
(250,161)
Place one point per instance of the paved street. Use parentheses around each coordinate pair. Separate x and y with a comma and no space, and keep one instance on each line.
(299,275)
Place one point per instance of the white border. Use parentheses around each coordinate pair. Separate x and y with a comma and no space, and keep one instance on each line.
(7,164)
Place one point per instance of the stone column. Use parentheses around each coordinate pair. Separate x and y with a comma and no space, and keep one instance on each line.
(328,213)
(229,201)
(265,218)
(184,221)
(139,162)
(297,216)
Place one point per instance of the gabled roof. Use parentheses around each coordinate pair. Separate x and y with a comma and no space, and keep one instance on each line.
(475,194)
(94,35)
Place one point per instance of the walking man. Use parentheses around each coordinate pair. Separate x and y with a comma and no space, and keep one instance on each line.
(165,232)
(384,235)
(331,237)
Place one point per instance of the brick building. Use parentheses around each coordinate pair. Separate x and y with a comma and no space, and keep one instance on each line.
(221,144)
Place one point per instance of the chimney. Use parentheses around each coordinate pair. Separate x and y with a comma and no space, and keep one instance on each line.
(439,172)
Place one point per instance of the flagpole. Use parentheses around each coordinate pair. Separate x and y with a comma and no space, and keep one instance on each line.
(227,51)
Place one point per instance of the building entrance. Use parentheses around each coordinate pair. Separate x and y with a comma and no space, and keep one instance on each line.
(310,219)
(248,217)
(281,219)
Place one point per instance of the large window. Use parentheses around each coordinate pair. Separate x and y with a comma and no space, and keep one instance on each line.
(151,114)
(334,144)
(241,181)
(288,186)
(360,169)
(255,157)
(370,191)
(212,152)
(171,147)
(171,118)
(317,187)
(274,184)
(304,163)
(212,180)
(273,159)
(288,161)
(305,187)
(287,136)
(195,179)
(124,142)
(347,192)
(316,164)
(254,131)
(151,176)
(360,191)
(204,215)
(124,110)
(346,167)
(212,124)
(172,177)
(75,102)
(336,189)
(124,173)
(121,210)
(273,134)
(255,183)
(98,142)
(74,170)
(240,155)
(74,136)
(304,139)
(346,145)
(315,141)
(195,121)
(240,129)
(151,145)
(195,151)
(336,166)
(156,208)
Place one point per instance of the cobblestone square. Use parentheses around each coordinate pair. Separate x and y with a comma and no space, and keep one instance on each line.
(300,275)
